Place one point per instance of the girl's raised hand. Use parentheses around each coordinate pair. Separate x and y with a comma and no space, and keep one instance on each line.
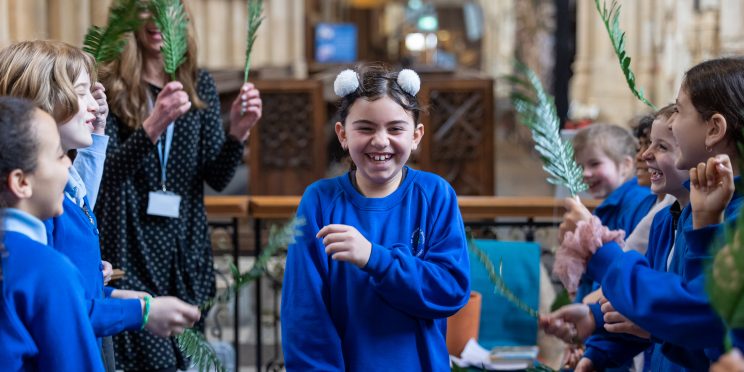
(711,189)
(245,111)
(99,94)
(345,243)
(575,212)
(729,362)
(171,103)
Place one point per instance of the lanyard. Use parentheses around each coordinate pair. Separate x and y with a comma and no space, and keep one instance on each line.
(164,146)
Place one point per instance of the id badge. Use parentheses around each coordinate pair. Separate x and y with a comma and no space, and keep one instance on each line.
(163,203)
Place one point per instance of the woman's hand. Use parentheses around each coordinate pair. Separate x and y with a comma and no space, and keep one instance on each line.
(99,94)
(170,316)
(171,103)
(245,112)
(711,189)
(345,243)
(575,212)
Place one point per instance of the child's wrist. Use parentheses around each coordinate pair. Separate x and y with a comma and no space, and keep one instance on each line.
(145,310)
(705,218)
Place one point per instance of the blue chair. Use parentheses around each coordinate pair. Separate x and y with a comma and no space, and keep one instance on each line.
(502,323)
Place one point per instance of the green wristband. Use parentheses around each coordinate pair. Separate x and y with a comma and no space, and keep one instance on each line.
(146,313)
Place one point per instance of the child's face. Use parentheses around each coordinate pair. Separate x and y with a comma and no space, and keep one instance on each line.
(661,158)
(76,132)
(601,173)
(689,129)
(380,136)
(47,182)
(644,177)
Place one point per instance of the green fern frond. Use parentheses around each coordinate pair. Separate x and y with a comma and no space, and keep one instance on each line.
(106,43)
(611,19)
(498,280)
(171,19)
(278,238)
(199,351)
(255,17)
(536,110)
(725,277)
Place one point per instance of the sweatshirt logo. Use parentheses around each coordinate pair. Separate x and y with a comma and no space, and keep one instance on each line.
(417,242)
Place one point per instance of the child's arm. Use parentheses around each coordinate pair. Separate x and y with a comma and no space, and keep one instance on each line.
(662,303)
(437,284)
(613,350)
(310,340)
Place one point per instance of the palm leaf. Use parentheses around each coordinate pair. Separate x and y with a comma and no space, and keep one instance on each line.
(192,343)
(611,19)
(725,281)
(255,17)
(536,110)
(199,351)
(498,280)
(106,43)
(171,19)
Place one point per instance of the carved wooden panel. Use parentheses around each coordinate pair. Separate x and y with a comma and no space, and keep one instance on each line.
(458,144)
(288,149)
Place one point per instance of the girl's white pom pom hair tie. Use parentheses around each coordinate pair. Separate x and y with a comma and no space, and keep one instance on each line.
(346,82)
(409,81)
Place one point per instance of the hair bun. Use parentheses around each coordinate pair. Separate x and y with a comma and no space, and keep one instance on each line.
(346,82)
(409,81)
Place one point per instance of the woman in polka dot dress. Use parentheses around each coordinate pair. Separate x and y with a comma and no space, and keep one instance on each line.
(166,140)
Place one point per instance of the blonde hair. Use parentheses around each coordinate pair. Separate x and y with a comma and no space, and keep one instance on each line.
(45,71)
(126,90)
(614,141)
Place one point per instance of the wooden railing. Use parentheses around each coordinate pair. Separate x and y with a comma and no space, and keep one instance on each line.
(471,207)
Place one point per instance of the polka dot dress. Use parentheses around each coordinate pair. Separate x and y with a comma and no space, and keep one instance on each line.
(160,255)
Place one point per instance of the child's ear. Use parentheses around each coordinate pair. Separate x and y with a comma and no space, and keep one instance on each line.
(19,184)
(627,166)
(716,130)
(341,134)
(418,133)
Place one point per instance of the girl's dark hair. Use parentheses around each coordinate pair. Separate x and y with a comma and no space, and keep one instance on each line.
(18,140)
(643,129)
(717,87)
(19,148)
(376,81)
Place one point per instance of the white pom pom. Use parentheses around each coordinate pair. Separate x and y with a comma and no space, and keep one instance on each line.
(346,82)
(409,81)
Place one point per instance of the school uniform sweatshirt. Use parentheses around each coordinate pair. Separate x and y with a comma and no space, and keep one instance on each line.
(392,312)
(666,298)
(44,323)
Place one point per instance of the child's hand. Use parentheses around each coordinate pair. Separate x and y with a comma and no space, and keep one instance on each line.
(575,212)
(170,316)
(345,243)
(245,111)
(571,323)
(729,362)
(618,323)
(107,271)
(171,103)
(573,356)
(99,125)
(711,189)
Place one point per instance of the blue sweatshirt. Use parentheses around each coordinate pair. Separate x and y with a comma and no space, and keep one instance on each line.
(44,324)
(75,234)
(621,210)
(673,306)
(336,316)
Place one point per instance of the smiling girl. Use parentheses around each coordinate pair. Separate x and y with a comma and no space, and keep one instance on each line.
(382,261)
